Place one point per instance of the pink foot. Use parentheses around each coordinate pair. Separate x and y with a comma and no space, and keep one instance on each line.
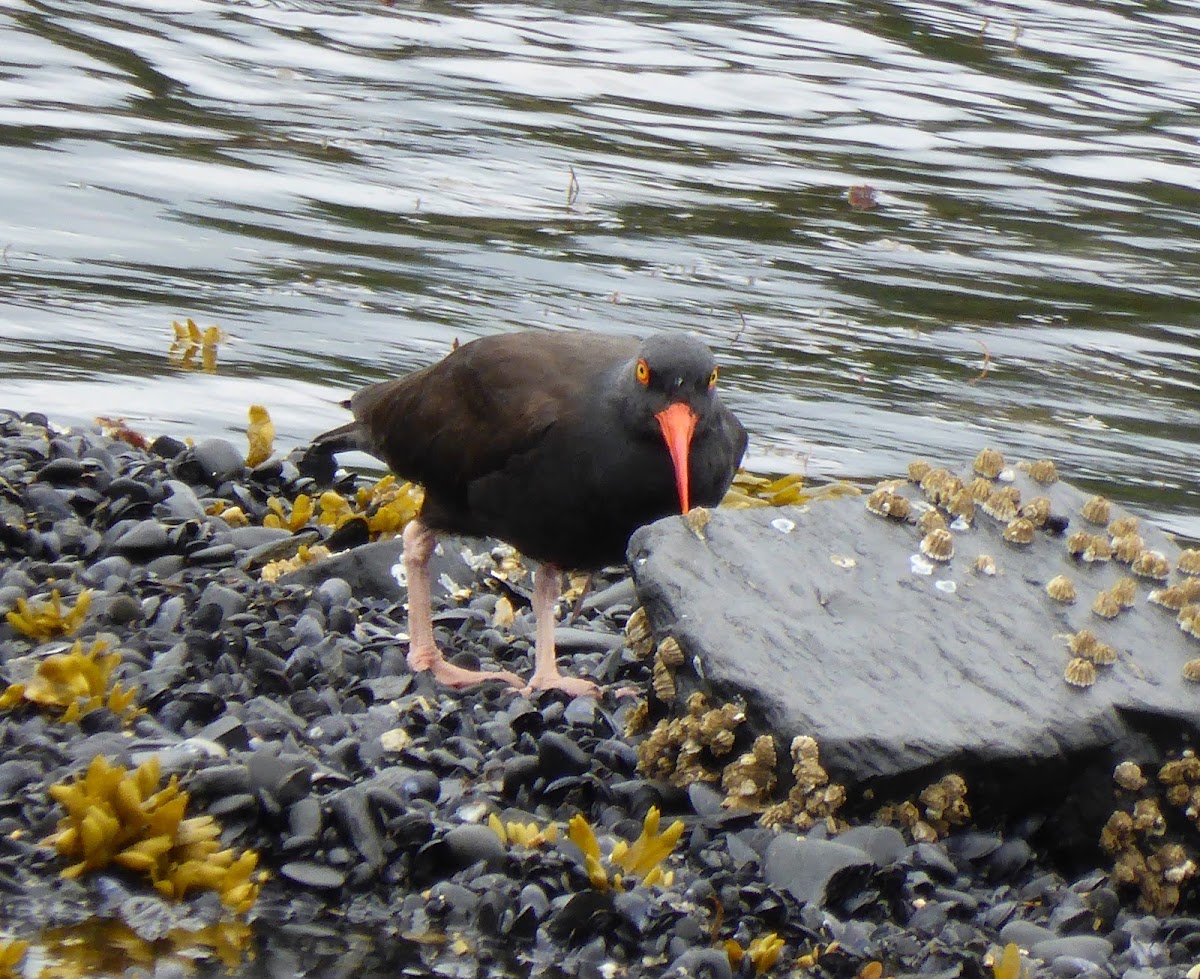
(572,686)
(420,660)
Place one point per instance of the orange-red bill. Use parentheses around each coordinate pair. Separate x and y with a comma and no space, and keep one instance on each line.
(677,422)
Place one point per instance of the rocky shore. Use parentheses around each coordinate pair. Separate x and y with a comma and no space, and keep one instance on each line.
(170,613)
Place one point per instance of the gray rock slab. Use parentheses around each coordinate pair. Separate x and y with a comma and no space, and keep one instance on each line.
(375,570)
(820,620)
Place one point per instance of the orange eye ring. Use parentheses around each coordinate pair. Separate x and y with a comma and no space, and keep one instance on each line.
(712,379)
(642,371)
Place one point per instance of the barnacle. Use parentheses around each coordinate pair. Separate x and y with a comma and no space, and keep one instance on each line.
(1019,531)
(917,470)
(1106,605)
(304,555)
(1125,592)
(938,545)
(1151,564)
(670,652)
(1061,589)
(1189,561)
(1191,670)
(1043,471)
(1123,525)
(1188,619)
(1176,596)
(260,433)
(1000,506)
(988,463)
(930,521)
(662,681)
(979,488)
(528,835)
(763,952)
(939,484)
(985,564)
(680,750)
(811,797)
(638,636)
(1089,547)
(1080,672)
(48,620)
(1083,642)
(943,805)
(114,816)
(887,502)
(962,504)
(749,779)
(1096,510)
(1127,547)
(76,682)
(641,859)
(1129,777)
(1036,510)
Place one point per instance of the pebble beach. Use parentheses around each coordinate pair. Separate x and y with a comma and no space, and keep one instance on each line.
(240,775)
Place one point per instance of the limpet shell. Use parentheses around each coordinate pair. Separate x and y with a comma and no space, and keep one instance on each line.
(1043,471)
(1097,510)
(938,545)
(1061,589)
(1080,673)
(1019,531)
(988,463)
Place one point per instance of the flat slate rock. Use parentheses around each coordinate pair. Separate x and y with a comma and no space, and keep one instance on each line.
(820,620)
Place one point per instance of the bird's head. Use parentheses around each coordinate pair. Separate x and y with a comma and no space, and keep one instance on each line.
(671,383)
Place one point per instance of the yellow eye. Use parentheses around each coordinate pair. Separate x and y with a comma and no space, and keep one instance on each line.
(712,379)
(642,372)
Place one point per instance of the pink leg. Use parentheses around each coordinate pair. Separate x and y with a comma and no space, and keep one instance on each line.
(423,654)
(547,582)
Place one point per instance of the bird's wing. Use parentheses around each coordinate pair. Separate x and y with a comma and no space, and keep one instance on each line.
(468,415)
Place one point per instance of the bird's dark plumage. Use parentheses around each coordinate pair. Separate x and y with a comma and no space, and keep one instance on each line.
(562,444)
(548,440)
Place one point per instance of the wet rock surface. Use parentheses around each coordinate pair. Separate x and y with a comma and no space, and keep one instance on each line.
(831,621)
(288,713)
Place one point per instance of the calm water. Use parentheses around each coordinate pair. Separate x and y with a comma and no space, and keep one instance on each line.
(347,187)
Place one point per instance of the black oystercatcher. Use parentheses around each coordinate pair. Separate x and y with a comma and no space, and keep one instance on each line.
(562,444)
